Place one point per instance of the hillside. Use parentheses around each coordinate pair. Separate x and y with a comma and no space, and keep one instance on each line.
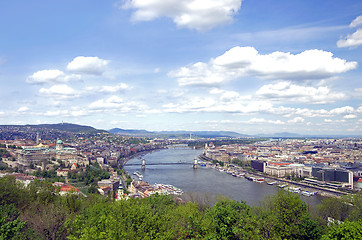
(66,127)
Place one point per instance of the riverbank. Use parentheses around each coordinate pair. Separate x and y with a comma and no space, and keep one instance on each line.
(136,155)
(326,192)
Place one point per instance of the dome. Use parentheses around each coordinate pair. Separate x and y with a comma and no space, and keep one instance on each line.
(59,142)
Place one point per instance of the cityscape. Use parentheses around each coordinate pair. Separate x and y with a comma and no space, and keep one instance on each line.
(84,163)
(181,119)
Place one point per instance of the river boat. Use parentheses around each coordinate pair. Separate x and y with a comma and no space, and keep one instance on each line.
(282,185)
(293,189)
(259,180)
(271,183)
(306,193)
(139,175)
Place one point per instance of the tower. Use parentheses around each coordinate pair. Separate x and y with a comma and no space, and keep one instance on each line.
(195,163)
(59,146)
(143,164)
(37,139)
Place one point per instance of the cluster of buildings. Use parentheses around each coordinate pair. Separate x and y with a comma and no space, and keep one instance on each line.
(74,153)
(141,189)
(334,163)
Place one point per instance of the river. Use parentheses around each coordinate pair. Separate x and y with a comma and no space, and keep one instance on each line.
(202,181)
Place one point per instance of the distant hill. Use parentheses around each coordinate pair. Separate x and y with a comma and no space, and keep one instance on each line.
(178,134)
(296,135)
(281,135)
(129,131)
(67,127)
(206,134)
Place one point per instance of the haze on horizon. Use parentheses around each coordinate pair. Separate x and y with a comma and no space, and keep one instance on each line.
(245,66)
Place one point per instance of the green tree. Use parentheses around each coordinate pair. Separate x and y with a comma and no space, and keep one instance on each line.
(347,230)
(229,219)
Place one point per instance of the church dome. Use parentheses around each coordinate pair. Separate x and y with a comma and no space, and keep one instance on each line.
(59,142)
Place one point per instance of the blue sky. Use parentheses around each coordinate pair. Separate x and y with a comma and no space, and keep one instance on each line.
(246,66)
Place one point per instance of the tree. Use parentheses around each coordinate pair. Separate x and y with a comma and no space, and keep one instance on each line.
(335,208)
(229,219)
(346,230)
(290,217)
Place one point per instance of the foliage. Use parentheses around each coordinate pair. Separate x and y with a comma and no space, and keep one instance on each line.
(38,212)
(346,230)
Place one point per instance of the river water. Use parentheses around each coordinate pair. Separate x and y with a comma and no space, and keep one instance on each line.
(202,181)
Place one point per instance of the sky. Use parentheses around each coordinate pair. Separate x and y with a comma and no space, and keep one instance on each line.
(253,67)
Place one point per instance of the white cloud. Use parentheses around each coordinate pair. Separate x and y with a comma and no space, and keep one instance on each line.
(350,116)
(50,76)
(246,61)
(108,89)
(88,65)
(262,120)
(66,113)
(116,103)
(295,93)
(342,110)
(23,109)
(296,120)
(201,15)
(59,91)
(356,22)
(352,40)
(328,120)
(229,103)
(56,113)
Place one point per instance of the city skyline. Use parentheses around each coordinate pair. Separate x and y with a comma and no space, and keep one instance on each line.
(251,67)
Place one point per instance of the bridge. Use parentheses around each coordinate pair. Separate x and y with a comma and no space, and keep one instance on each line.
(143,164)
(150,164)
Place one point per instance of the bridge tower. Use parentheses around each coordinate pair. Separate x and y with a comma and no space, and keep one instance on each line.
(195,163)
(143,164)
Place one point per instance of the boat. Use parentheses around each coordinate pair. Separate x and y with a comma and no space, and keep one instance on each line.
(306,193)
(271,183)
(282,185)
(139,175)
(259,180)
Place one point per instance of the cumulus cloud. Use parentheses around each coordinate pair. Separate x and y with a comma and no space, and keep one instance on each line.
(262,120)
(296,120)
(291,92)
(247,61)
(66,113)
(342,110)
(50,76)
(356,22)
(117,103)
(88,65)
(350,116)
(23,109)
(59,91)
(354,39)
(109,89)
(212,104)
(201,15)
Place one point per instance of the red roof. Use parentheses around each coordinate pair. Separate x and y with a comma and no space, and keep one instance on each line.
(280,163)
(360,180)
(68,188)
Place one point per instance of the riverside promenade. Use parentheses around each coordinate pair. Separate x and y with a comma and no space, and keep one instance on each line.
(328,192)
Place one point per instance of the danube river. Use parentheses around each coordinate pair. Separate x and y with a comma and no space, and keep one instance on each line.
(203,180)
